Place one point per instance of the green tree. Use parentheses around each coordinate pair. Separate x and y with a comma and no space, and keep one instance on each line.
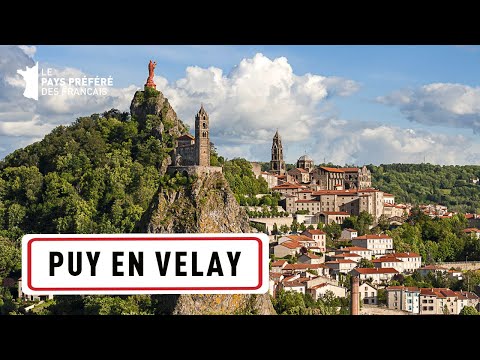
(275,229)
(365,263)
(333,230)
(469,310)
(10,258)
(363,223)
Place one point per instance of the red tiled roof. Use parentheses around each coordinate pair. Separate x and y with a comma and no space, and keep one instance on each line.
(299,238)
(279,263)
(350,230)
(315,231)
(346,254)
(304,191)
(335,213)
(438,292)
(386,259)
(330,169)
(471,230)
(467,294)
(291,244)
(387,194)
(307,201)
(355,248)
(376,270)
(372,236)
(319,286)
(354,169)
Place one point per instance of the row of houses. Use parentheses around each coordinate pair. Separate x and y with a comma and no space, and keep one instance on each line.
(430,301)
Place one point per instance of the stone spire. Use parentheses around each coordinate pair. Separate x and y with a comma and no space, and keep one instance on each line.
(277,164)
(202,138)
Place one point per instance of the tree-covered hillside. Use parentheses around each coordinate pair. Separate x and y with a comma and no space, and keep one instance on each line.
(426,183)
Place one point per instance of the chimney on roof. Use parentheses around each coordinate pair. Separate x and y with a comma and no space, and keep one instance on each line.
(354,299)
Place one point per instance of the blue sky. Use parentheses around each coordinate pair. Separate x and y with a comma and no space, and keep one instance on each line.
(342,103)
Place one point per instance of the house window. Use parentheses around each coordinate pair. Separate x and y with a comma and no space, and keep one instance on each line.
(430,308)
(373,294)
(430,301)
(366,294)
(424,308)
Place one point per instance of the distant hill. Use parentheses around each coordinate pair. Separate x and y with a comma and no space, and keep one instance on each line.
(449,185)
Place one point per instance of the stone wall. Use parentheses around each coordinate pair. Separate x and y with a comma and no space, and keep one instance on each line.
(195,170)
(462,265)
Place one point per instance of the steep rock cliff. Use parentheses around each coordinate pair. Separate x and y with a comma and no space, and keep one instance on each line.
(207,205)
(203,204)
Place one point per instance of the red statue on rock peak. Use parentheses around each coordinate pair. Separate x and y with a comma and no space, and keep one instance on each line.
(151,74)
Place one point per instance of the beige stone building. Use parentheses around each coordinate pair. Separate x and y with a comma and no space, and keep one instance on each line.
(319,237)
(192,155)
(271,179)
(379,244)
(298,175)
(341,266)
(319,290)
(329,178)
(375,275)
(363,252)
(310,258)
(368,294)
(348,234)
(287,248)
(352,202)
(403,298)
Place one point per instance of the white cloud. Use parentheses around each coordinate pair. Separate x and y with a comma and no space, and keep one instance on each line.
(69,103)
(362,143)
(28,50)
(23,121)
(32,128)
(254,98)
(446,104)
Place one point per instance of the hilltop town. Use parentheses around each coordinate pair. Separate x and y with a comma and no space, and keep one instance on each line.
(330,225)
(337,244)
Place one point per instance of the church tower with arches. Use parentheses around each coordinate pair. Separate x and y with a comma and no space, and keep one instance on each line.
(202,138)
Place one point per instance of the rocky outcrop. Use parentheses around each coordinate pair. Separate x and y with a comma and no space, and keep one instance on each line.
(234,304)
(198,204)
(205,206)
(151,105)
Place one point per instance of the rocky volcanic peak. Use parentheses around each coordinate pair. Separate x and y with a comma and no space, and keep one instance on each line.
(205,204)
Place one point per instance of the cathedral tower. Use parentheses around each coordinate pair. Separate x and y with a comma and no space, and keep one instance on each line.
(277,165)
(202,138)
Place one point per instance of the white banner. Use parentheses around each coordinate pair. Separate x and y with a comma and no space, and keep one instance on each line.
(145,264)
